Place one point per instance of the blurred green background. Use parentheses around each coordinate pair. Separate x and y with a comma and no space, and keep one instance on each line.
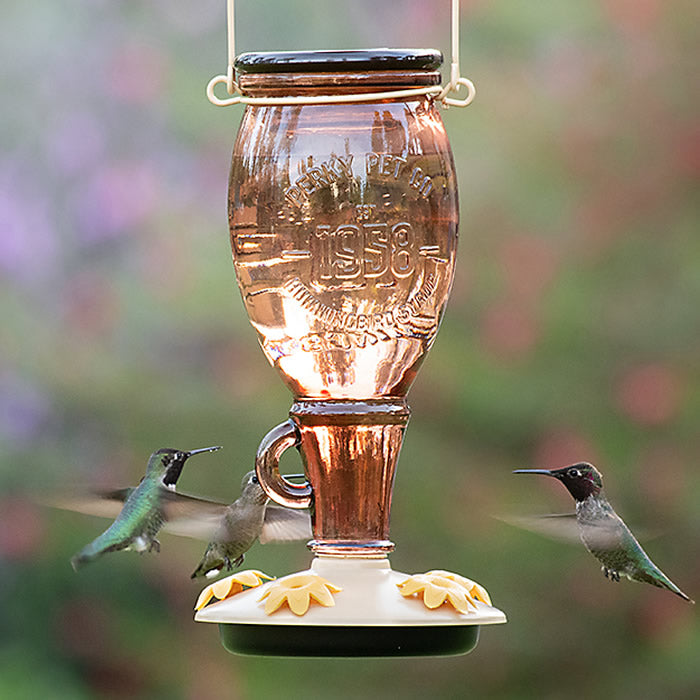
(573,333)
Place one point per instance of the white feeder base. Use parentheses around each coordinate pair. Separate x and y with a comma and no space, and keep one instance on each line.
(370,617)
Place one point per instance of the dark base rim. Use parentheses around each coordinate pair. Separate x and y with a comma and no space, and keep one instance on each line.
(348,641)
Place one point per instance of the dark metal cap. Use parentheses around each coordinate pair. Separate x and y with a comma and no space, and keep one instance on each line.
(339,61)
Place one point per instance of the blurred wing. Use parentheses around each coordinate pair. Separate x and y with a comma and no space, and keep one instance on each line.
(186,516)
(557,526)
(103,504)
(285,524)
(609,534)
(565,528)
(189,516)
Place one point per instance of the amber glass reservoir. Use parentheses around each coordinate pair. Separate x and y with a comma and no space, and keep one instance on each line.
(343,221)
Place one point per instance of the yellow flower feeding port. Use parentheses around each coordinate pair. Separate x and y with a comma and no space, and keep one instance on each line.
(298,591)
(229,586)
(440,587)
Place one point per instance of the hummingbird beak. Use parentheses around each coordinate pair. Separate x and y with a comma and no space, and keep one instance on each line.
(546,472)
(294,476)
(203,449)
(175,469)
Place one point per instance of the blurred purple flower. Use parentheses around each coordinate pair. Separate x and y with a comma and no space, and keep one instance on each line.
(117,197)
(27,233)
(24,409)
(77,142)
(137,73)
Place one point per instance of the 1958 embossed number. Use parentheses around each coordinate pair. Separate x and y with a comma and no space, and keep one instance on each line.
(355,254)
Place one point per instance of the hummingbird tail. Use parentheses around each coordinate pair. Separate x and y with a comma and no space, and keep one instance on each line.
(90,552)
(659,579)
(83,557)
(208,568)
(680,593)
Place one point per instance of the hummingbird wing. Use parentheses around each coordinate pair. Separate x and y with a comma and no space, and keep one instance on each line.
(190,516)
(103,504)
(285,524)
(185,515)
(557,526)
(564,527)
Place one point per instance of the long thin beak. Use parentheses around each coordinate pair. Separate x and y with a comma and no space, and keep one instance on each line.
(175,469)
(546,472)
(203,449)
(294,476)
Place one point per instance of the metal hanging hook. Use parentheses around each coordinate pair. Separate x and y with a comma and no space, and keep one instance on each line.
(437,92)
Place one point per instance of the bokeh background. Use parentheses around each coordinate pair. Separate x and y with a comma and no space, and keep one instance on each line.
(573,333)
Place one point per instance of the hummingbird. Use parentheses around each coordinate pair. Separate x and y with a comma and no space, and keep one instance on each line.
(249,518)
(142,515)
(602,530)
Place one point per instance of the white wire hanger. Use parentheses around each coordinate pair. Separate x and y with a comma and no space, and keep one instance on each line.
(437,92)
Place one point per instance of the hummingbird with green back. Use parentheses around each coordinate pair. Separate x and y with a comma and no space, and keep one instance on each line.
(142,515)
(603,532)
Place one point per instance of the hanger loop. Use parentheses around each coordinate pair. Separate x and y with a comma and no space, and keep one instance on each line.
(438,93)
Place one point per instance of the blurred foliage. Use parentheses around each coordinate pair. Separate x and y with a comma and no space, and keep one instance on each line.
(572,333)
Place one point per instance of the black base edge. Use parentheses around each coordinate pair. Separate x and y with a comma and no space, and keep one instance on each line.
(350,641)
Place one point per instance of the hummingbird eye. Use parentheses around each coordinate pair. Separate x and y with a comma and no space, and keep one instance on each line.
(574,473)
(254,479)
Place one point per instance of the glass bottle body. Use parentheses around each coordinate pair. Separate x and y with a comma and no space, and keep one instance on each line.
(343,223)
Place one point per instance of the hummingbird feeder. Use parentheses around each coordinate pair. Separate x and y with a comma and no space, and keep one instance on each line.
(343,217)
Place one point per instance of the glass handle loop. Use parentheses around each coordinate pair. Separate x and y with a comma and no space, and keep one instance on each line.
(281,491)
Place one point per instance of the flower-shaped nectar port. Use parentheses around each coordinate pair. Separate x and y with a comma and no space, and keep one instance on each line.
(298,590)
(474,589)
(439,587)
(231,585)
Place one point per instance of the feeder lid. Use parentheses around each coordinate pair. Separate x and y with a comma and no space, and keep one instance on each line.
(339,61)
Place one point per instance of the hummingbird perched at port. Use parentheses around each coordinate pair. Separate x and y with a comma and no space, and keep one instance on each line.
(142,515)
(249,518)
(602,530)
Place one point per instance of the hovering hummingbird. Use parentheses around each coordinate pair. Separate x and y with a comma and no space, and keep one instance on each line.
(250,517)
(603,532)
(142,516)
